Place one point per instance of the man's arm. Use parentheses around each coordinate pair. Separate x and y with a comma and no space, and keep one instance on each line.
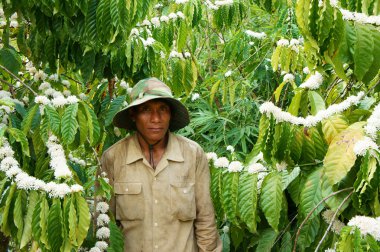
(205,226)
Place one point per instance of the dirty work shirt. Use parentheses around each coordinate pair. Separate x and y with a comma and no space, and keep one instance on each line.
(168,209)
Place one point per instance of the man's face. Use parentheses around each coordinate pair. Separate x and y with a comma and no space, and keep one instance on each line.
(152,120)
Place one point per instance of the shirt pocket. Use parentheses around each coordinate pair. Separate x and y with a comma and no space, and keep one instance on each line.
(182,201)
(129,201)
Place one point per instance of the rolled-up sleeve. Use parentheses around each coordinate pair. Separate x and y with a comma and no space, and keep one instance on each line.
(205,226)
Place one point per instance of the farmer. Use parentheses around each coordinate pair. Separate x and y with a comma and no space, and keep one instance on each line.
(161,180)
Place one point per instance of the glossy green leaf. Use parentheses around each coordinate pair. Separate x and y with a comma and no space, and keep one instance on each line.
(271,199)
(55,226)
(69,123)
(54,119)
(308,233)
(266,240)
(84,218)
(115,107)
(5,228)
(216,190)
(363,50)
(295,104)
(93,124)
(18,213)
(316,102)
(28,119)
(311,195)
(230,195)
(116,238)
(288,177)
(10,60)
(27,232)
(21,138)
(247,200)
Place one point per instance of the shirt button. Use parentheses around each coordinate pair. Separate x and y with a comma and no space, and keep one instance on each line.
(126,189)
(155,178)
(184,191)
(156,246)
(156,201)
(155,224)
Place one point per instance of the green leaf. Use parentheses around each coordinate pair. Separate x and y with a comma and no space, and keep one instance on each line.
(363,50)
(115,107)
(266,240)
(332,126)
(316,102)
(247,200)
(93,124)
(116,238)
(288,178)
(308,233)
(340,156)
(69,124)
(230,195)
(82,122)
(311,195)
(296,101)
(278,91)
(182,35)
(286,243)
(296,143)
(216,190)
(10,60)
(55,226)
(21,138)
(226,242)
(28,119)
(271,199)
(73,222)
(39,222)
(27,232)
(54,119)
(84,218)
(374,68)
(5,213)
(18,213)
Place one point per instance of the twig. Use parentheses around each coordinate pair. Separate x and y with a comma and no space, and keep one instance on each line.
(333,219)
(311,212)
(6,82)
(17,78)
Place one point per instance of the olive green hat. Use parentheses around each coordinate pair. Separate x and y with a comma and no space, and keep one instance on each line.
(146,90)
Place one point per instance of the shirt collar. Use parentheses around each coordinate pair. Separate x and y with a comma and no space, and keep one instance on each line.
(173,150)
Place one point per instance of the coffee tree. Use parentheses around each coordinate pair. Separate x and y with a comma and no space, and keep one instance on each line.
(283,95)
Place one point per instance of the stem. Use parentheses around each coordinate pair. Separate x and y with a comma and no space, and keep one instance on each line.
(17,78)
(333,219)
(311,212)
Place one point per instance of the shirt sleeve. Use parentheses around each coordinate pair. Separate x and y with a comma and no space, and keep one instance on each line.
(205,226)
(107,167)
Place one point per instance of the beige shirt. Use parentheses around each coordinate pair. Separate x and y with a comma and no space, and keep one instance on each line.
(168,209)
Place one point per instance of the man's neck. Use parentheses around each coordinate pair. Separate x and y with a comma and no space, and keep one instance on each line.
(157,145)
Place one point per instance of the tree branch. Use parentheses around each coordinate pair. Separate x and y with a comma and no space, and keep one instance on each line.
(17,78)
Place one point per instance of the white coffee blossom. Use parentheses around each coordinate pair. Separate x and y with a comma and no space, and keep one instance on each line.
(283,42)
(148,42)
(228,73)
(155,21)
(59,101)
(66,83)
(146,22)
(306,70)
(366,225)
(235,166)
(258,35)
(58,159)
(230,148)
(224,2)
(102,207)
(269,108)
(102,245)
(44,85)
(102,220)
(173,16)
(361,147)
(194,96)
(82,96)
(328,218)
(42,100)
(164,19)
(226,229)
(40,75)
(6,151)
(134,31)
(181,1)
(180,14)
(281,166)
(256,168)
(373,123)
(221,162)
(288,77)
(211,156)
(103,233)
(187,55)
(313,82)
(66,92)
(95,249)
(76,188)
(54,77)
(124,84)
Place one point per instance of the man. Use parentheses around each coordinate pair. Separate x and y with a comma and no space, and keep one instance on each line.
(161,180)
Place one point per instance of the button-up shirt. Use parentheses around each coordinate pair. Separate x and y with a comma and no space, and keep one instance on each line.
(167,209)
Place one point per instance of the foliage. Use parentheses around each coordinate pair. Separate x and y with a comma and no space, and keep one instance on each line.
(85,55)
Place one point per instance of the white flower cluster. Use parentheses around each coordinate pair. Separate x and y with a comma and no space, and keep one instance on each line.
(221,162)
(293,44)
(261,171)
(281,166)
(211,156)
(156,21)
(181,1)
(360,17)
(373,123)
(230,148)
(58,99)
(328,218)
(367,225)
(228,73)
(175,54)
(210,5)
(235,166)
(269,108)
(77,160)
(257,35)
(313,82)
(148,42)
(58,159)
(224,2)
(11,168)
(363,145)
(103,232)
(194,96)
(13,19)
(288,77)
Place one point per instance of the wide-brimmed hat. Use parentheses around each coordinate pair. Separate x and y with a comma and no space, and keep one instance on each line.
(146,90)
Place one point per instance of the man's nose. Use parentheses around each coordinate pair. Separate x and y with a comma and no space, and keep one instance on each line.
(155,116)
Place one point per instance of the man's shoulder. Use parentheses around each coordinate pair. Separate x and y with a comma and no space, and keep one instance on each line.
(186,142)
(116,146)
